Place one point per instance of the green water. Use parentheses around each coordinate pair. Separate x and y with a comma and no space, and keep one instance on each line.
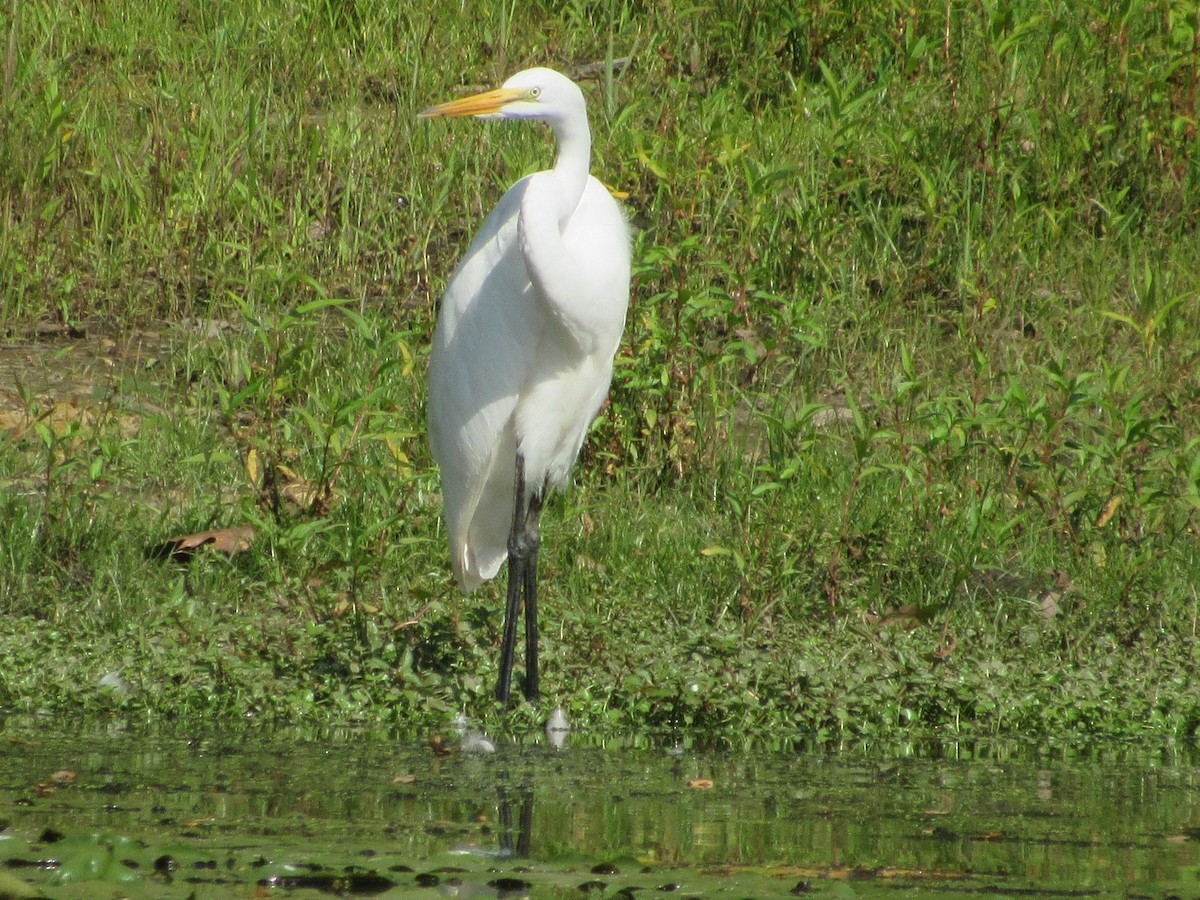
(116,814)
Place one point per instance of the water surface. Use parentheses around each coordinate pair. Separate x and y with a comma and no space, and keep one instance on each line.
(266,813)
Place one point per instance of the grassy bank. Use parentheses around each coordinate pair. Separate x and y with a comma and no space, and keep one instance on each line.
(904,434)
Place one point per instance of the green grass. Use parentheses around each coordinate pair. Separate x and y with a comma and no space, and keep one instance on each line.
(913,329)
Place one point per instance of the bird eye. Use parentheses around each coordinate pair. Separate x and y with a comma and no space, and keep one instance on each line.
(534,93)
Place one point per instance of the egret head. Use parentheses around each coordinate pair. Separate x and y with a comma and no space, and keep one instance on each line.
(540,93)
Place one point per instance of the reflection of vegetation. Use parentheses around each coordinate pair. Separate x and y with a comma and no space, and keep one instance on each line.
(219,817)
(903,434)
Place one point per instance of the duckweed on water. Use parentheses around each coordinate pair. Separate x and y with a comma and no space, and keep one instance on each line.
(359,815)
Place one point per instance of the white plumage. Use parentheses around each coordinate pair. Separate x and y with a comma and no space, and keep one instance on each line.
(523,351)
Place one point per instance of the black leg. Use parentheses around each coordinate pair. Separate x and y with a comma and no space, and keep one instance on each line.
(512,611)
(523,540)
(532,542)
(516,580)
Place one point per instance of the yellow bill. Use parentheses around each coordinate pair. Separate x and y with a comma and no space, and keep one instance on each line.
(476,105)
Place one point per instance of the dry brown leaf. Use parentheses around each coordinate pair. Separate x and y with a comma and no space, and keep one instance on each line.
(224,540)
(700,784)
(286,472)
(253,469)
(946,647)
(1048,604)
(300,492)
(293,488)
(1110,510)
(404,779)
(63,776)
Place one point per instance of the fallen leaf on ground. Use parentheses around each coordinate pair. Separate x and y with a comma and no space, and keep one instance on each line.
(299,491)
(946,647)
(700,784)
(1110,510)
(224,540)
(1048,604)
(253,469)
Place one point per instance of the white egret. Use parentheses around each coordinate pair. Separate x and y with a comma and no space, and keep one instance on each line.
(523,351)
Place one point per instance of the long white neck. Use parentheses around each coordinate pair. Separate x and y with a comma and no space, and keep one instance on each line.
(572,162)
(549,202)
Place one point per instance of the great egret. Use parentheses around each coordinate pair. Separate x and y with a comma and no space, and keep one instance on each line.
(523,351)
